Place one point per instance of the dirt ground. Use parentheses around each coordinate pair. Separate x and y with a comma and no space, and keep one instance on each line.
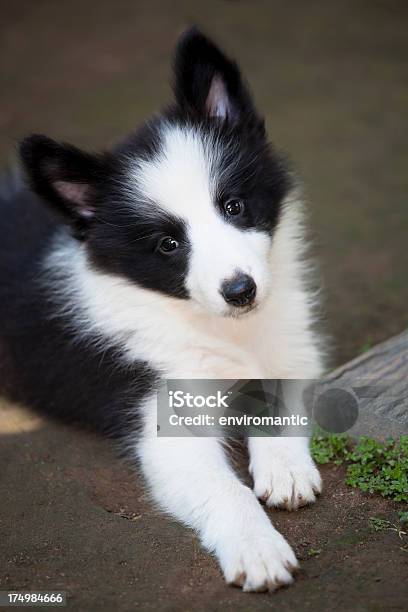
(73,518)
(331,78)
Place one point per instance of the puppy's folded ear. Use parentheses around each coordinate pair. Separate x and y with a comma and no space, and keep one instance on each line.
(207,82)
(65,176)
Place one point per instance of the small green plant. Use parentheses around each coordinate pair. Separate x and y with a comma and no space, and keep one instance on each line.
(368,344)
(330,448)
(380,524)
(314,552)
(373,467)
(377,467)
(403,517)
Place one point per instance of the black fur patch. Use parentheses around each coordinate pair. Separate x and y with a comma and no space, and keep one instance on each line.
(197,61)
(47,162)
(42,362)
(251,169)
(126,232)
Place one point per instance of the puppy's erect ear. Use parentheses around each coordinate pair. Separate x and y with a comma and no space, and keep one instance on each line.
(207,82)
(65,176)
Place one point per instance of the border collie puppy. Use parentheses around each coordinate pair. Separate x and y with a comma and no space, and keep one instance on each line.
(176,254)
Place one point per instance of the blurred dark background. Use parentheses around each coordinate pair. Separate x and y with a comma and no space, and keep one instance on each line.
(331,78)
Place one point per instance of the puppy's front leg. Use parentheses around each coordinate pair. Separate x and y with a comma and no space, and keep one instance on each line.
(282,468)
(193,481)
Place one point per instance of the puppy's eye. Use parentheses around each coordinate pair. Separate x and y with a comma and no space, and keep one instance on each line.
(234,207)
(167,245)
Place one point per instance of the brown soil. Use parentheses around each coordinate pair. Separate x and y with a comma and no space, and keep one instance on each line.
(74,518)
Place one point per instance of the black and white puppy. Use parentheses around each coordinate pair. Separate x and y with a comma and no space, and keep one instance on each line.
(177,254)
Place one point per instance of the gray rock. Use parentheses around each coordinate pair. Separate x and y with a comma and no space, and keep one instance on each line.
(378,380)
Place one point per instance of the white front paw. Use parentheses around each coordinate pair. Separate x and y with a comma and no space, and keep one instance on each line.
(284,477)
(259,559)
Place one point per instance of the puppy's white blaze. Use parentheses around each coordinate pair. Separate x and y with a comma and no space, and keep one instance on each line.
(178,178)
(182,180)
(217,254)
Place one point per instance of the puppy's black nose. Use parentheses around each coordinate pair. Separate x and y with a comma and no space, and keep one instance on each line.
(239,291)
